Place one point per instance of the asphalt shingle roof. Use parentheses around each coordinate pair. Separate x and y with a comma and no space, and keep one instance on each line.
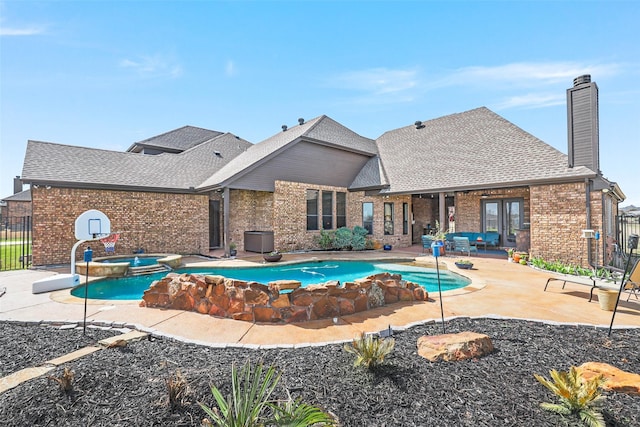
(469,150)
(322,129)
(22,196)
(180,139)
(56,163)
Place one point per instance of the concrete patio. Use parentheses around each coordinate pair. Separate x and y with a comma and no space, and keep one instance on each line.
(498,289)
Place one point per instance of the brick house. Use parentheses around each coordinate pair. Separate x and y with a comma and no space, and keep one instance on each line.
(193,189)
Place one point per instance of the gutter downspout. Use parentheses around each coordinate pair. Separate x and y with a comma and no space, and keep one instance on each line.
(588,193)
(226,209)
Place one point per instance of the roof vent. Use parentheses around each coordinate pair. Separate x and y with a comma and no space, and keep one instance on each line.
(284,128)
(300,121)
(217,153)
(585,78)
(419,124)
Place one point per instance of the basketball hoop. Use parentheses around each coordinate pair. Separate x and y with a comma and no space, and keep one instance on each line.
(109,242)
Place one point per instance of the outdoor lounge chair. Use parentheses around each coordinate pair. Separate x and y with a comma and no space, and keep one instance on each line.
(632,284)
(426,243)
(461,244)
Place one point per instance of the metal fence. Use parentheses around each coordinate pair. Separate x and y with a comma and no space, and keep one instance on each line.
(625,226)
(15,243)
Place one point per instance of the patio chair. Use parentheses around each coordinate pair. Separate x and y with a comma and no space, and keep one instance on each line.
(633,282)
(461,244)
(426,243)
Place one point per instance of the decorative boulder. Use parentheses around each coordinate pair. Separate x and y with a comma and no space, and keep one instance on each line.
(452,347)
(616,379)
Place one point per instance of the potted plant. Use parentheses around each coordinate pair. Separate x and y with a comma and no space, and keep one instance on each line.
(464,264)
(523,258)
(232,249)
(510,252)
(273,256)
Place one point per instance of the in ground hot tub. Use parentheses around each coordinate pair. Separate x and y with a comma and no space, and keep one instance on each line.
(120,266)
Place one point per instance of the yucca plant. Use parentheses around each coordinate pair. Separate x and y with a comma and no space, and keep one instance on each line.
(249,403)
(178,390)
(370,350)
(578,395)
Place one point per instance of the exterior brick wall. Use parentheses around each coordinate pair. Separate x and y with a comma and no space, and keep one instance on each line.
(558,216)
(16,209)
(469,206)
(250,211)
(290,215)
(425,211)
(156,222)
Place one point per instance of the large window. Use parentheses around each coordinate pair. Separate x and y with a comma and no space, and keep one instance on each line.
(341,209)
(327,210)
(367,216)
(312,209)
(405,218)
(388,218)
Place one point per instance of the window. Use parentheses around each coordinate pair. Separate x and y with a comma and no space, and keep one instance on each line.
(312,209)
(388,218)
(341,209)
(405,218)
(327,210)
(367,216)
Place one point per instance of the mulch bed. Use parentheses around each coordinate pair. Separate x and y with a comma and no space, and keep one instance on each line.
(126,386)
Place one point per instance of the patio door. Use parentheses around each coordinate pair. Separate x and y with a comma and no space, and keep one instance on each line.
(503,216)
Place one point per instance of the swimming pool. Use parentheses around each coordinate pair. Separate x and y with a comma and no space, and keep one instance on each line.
(132,288)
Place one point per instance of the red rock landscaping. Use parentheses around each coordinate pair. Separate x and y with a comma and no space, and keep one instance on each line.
(256,302)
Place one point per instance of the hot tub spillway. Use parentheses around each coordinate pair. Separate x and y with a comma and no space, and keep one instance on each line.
(134,270)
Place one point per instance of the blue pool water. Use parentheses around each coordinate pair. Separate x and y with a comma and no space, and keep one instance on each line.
(132,288)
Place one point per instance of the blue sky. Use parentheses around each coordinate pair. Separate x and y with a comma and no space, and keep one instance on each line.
(107,74)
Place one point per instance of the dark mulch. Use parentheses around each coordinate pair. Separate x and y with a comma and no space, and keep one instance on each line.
(126,386)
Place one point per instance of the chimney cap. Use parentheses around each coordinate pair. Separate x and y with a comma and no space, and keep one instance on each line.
(583,79)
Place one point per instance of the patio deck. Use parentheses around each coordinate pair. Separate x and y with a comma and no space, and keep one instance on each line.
(498,289)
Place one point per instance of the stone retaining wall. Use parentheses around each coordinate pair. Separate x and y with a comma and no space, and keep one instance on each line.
(256,302)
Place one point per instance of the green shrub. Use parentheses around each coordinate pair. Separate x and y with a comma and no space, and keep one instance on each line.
(370,350)
(326,240)
(359,241)
(343,238)
(250,404)
(578,396)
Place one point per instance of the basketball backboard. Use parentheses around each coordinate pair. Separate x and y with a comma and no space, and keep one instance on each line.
(91,225)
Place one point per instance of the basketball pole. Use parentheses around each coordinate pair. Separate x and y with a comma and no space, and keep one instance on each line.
(88,255)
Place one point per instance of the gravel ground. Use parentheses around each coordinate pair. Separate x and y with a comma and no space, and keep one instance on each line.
(126,386)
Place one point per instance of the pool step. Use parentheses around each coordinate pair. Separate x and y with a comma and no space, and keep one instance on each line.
(147,269)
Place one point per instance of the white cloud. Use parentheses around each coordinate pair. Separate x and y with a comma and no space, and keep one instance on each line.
(378,80)
(154,66)
(25,31)
(525,74)
(531,100)
(230,68)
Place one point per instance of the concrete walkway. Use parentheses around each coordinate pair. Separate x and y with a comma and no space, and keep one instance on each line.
(498,289)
